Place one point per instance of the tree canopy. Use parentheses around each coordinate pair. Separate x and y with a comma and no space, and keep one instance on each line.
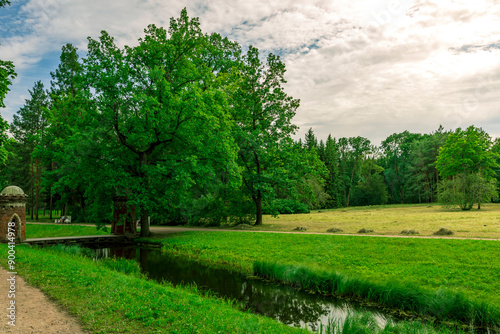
(193,130)
(467,164)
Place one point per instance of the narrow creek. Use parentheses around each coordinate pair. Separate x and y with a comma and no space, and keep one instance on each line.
(282,303)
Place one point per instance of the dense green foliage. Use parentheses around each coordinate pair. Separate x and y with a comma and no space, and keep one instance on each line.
(193,130)
(468,164)
(466,266)
(7,74)
(263,112)
(166,123)
(125,302)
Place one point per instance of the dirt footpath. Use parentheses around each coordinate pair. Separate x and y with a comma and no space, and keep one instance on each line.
(34,312)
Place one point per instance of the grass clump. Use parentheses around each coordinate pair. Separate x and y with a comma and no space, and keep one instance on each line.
(366,323)
(300,229)
(243,227)
(334,230)
(365,230)
(443,231)
(69,249)
(121,265)
(409,232)
(128,267)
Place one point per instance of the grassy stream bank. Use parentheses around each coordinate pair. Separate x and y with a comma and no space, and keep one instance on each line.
(453,280)
(459,273)
(109,301)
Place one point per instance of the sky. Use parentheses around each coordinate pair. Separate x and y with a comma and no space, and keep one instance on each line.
(365,68)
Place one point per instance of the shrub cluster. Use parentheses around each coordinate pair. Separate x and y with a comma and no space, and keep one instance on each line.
(443,231)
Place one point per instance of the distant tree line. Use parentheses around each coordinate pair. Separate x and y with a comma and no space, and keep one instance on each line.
(195,131)
(456,168)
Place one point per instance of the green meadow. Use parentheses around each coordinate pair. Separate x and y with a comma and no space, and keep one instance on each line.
(446,279)
(468,266)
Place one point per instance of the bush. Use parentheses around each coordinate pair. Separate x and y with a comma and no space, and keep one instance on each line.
(409,232)
(364,230)
(286,206)
(443,231)
(334,230)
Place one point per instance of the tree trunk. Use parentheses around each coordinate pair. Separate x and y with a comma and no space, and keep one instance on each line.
(31,192)
(258,198)
(350,182)
(37,187)
(144,224)
(50,205)
(84,208)
(258,206)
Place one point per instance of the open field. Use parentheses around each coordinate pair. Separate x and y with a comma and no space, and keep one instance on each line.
(383,220)
(392,219)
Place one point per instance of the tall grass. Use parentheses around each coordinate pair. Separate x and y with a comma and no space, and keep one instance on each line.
(365,323)
(442,304)
(125,266)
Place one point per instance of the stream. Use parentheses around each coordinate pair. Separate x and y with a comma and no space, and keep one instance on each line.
(280,302)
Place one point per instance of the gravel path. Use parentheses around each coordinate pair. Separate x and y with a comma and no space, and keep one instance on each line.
(168,230)
(35,313)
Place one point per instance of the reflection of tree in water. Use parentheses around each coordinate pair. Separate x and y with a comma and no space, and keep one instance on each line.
(279,302)
(282,303)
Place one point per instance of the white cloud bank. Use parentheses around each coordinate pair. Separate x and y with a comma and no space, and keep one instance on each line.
(367,68)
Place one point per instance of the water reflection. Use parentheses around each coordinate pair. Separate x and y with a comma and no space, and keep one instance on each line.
(283,303)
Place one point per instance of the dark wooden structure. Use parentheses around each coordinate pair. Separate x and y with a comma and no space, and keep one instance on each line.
(123,217)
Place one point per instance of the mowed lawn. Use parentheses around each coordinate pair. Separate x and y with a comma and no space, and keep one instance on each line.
(392,219)
(468,266)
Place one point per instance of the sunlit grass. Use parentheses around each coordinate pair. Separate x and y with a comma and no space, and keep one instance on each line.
(392,219)
(471,267)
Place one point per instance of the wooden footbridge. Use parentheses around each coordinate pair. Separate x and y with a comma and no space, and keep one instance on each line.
(86,240)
